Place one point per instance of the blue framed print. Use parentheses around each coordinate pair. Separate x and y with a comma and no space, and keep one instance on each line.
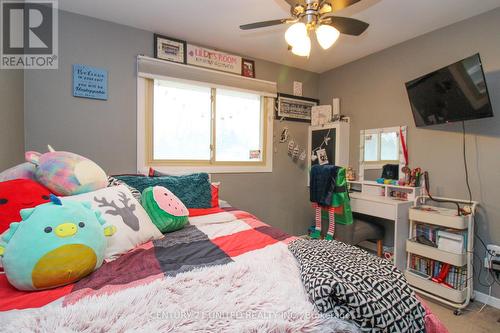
(90,82)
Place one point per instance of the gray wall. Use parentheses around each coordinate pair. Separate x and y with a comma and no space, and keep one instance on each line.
(373,94)
(105,131)
(11,118)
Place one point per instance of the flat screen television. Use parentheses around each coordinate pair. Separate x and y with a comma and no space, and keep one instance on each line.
(454,93)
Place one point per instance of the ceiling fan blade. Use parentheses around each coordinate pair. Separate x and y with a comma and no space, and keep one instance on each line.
(341,4)
(346,25)
(262,24)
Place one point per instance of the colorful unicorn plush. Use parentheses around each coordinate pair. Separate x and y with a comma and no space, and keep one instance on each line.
(63,173)
(57,243)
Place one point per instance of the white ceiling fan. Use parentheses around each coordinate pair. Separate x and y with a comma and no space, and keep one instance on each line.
(309,15)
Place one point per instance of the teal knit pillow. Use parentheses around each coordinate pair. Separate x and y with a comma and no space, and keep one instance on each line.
(193,190)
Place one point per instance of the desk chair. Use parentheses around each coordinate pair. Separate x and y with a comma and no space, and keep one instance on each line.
(361,231)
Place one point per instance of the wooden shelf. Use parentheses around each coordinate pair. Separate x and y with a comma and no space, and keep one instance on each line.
(434,253)
(453,295)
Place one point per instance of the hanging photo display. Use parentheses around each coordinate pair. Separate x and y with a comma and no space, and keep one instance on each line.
(291,145)
(322,156)
(295,153)
(284,135)
(303,155)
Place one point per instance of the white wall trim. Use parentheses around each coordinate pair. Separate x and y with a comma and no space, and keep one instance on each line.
(484,298)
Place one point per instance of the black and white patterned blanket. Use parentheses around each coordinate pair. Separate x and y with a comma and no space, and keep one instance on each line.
(351,284)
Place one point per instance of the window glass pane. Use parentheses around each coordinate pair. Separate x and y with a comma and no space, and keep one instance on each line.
(238,126)
(181,122)
(371,147)
(389,146)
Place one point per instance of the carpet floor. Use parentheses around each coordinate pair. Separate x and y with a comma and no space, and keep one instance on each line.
(470,321)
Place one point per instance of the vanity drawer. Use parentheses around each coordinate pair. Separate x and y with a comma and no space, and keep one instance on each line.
(374,208)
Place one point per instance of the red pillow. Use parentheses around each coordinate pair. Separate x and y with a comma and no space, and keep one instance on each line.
(19,194)
(215,194)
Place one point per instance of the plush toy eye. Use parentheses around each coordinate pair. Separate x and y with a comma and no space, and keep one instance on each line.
(45,197)
(81,224)
(3,201)
(48,230)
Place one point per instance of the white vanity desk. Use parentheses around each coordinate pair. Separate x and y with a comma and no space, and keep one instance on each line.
(371,202)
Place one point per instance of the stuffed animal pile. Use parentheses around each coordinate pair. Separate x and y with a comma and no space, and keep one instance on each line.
(59,213)
(46,242)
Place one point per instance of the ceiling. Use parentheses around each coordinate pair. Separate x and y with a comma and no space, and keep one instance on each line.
(215,23)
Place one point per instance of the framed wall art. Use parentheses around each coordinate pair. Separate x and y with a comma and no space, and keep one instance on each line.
(295,108)
(248,68)
(170,49)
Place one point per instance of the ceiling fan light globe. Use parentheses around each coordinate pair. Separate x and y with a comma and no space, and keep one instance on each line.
(326,35)
(295,33)
(302,47)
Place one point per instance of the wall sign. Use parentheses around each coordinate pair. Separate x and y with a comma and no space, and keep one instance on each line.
(90,82)
(203,57)
(295,108)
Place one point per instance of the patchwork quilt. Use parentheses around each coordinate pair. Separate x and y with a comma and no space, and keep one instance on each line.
(225,272)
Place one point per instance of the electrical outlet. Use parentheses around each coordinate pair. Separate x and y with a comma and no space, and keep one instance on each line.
(492,257)
(494,248)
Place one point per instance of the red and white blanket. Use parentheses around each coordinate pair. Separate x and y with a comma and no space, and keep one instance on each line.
(227,271)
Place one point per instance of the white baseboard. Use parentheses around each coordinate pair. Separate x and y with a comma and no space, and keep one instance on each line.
(484,298)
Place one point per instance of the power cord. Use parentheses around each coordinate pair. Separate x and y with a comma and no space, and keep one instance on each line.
(426,183)
(476,234)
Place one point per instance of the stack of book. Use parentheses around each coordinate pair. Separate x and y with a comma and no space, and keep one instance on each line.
(452,240)
(456,277)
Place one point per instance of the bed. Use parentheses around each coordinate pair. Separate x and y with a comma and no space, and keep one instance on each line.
(226,271)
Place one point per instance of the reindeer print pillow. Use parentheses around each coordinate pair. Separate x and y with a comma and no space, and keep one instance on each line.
(119,208)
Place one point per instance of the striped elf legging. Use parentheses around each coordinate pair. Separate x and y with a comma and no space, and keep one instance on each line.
(331,218)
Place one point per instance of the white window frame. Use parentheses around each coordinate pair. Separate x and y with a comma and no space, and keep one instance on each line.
(378,164)
(144,162)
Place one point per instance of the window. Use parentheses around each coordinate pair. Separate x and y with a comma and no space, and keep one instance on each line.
(238,126)
(381,145)
(181,121)
(206,128)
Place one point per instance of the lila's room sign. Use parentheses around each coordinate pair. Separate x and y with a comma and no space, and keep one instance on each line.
(90,82)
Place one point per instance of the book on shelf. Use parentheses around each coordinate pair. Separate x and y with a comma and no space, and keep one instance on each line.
(456,277)
(447,239)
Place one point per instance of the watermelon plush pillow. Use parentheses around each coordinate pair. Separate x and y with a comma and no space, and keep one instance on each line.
(167,212)
(214,187)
